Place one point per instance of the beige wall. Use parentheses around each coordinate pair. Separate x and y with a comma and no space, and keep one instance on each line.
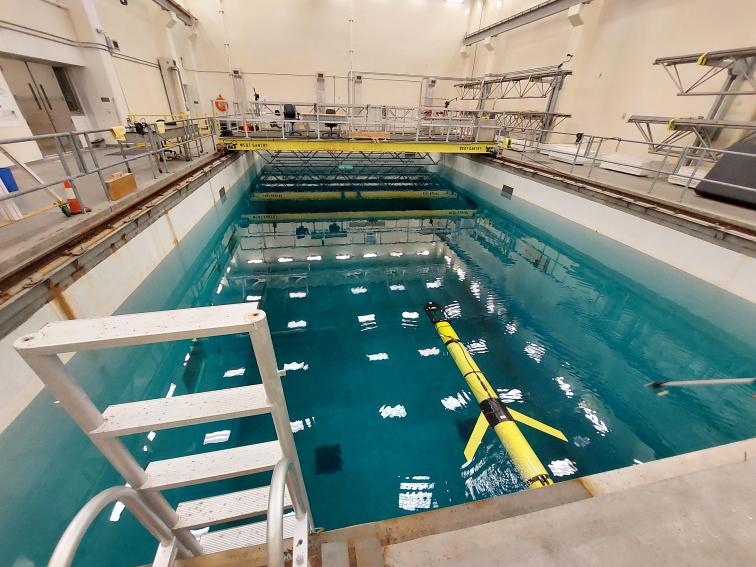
(282,44)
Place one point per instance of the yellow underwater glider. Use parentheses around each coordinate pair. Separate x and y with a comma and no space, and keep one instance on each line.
(493,411)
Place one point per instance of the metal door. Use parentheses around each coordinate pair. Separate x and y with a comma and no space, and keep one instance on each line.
(40,99)
(51,96)
(29,100)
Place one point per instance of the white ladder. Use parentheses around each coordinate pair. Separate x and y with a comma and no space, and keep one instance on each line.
(41,349)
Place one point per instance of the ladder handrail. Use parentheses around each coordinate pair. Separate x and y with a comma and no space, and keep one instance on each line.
(71,538)
(275,513)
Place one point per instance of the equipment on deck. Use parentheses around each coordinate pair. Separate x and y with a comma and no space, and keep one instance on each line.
(493,411)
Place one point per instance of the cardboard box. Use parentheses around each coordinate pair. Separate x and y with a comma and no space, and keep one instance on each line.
(121,184)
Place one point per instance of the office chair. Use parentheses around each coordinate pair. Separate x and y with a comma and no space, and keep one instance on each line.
(330,125)
(290,113)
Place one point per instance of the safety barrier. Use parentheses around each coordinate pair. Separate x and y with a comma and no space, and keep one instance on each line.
(182,139)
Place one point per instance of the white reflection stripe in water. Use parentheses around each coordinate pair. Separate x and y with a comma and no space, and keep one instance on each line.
(285,259)
(289,366)
(343,256)
(453,403)
(392,411)
(396,254)
(478,346)
(314,258)
(565,467)
(564,386)
(219,289)
(296,324)
(171,390)
(534,351)
(461,274)
(200,531)
(411,501)
(151,436)
(254,261)
(297,294)
(596,421)
(217,437)
(434,284)
(254,297)
(453,310)
(302,424)
(377,356)
(370,255)
(417,485)
(433,351)
(410,314)
(423,252)
(511,328)
(118,509)
(358,290)
(234,372)
(509,395)
(397,287)
(366,318)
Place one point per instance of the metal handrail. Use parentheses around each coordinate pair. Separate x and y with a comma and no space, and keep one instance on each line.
(278,484)
(71,538)
(275,513)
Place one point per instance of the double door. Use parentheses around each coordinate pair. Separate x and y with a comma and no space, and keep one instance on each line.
(39,94)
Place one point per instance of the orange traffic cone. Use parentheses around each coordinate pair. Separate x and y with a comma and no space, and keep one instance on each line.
(73,203)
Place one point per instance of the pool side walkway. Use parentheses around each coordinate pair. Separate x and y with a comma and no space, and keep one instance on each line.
(23,241)
(693,509)
(703,518)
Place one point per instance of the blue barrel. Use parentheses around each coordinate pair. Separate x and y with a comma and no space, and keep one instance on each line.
(8,180)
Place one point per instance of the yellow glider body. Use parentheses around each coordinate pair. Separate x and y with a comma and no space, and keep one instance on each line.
(493,412)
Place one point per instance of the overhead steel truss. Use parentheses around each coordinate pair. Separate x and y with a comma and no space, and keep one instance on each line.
(529,83)
(733,62)
(528,120)
(700,129)
(346,169)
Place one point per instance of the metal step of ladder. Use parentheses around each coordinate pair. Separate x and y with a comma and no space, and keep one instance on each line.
(212,466)
(230,507)
(244,536)
(41,351)
(190,409)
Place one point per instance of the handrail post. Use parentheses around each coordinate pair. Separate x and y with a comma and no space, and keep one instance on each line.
(262,344)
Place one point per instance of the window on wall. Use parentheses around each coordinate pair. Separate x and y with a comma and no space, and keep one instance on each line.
(72,101)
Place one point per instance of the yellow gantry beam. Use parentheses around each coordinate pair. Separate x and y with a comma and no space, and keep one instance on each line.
(289,145)
(347,215)
(493,412)
(348,195)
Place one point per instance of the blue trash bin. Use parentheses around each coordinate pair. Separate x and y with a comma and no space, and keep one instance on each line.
(8,180)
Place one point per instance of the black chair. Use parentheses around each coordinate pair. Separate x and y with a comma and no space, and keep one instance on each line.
(290,113)
(331,125)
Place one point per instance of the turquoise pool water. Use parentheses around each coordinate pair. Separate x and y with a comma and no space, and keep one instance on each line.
(379,412)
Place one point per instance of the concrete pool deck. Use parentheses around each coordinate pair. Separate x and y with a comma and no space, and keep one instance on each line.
(692,509)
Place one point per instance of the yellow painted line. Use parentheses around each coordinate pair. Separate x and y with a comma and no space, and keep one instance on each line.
(422,214)
(247,144)
(326,195)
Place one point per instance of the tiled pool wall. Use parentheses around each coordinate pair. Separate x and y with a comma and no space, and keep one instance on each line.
(713,267)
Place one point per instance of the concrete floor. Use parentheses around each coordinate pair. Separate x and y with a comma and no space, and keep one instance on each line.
(19,239)
(662,189)
(704,518)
